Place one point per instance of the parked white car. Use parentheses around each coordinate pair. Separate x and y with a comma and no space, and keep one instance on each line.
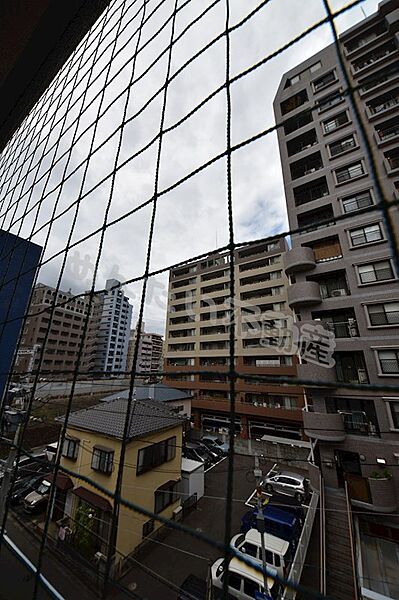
(278,553)
(244,581)
(288,483)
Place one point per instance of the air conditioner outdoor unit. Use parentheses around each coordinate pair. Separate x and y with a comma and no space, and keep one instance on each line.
(340,292)
(178,513)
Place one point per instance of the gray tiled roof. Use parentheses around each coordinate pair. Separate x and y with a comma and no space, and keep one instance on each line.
(157,391)
(147,416)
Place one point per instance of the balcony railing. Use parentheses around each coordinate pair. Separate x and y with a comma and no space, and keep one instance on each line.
(374,57)
(343,329)
(348,174)
(306,169)
(390,103)
(388,133)
(311,194)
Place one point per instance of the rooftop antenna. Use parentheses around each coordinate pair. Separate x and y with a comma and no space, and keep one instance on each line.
(363,11)
(216,238)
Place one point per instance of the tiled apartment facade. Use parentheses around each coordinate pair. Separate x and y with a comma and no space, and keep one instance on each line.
(197,338)
(342,272)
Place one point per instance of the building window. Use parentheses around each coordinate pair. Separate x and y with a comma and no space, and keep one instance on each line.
(366,235)
(341,146)
(357,201)
(70,448)
(329,101)
(315,67)
(155,455)
(294,102)
(349,172)
(389,361)
(386,313)
(324,81)
(165,495)
(102,460)
(394,413)
(148,528)
(380,271)
(335,122)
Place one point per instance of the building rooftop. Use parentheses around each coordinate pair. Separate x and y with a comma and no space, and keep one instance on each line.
(147,416)
(157,391)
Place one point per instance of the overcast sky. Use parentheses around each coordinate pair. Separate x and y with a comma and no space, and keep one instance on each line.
(192,218)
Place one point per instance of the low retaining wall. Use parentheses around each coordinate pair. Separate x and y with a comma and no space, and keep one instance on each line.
(290,452)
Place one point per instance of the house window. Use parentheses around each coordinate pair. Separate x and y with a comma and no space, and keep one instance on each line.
(349,172)
(70,448)
(394,411)
(342,146)
(165,495)
(148,528)
(386,313)
(366,235)
(389,361)
(155,455)
(102,460)
(357,201)
(380,271)
(294,102)
(335,122)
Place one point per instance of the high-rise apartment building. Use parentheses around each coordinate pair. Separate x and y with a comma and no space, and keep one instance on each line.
(108,336)
(197,338)
(61,350)
(149,359)
(341,271)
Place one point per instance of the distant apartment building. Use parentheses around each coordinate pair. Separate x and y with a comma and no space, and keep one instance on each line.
(64,338)
(341,271)
(150,351)
(197,338)
(107,340)
(18,263)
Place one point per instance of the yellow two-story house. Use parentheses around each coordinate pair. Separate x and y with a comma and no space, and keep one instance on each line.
(151,474)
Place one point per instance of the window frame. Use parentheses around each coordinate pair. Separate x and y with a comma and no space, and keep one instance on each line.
(376,281)
(334,118)
(388,401)
(158,454)
(339,141)
(350,197)
(394,350)
(325,85)
(166,492)
(347,168)
(363,229)
(102,459)
(384,311)
(70,442)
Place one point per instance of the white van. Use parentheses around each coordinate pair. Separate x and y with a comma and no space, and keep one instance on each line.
(244,581)
(278,553)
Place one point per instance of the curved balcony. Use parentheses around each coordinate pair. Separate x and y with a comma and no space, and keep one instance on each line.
(299,259)
(376,494)
(328,427)
(303,293)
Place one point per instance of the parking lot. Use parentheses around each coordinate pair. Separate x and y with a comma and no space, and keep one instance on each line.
(165,564)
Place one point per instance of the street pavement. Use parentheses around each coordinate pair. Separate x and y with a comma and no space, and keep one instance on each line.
(164,565)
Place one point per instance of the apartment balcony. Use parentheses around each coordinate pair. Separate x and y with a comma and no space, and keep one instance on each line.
(222,404)
(392,162)
(384,105)
(304,293)
(317,373)
(342,329)
(299,259)
(374,59)
(387,133)
(325,427)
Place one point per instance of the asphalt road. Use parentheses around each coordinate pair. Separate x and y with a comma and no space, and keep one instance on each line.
(165,564)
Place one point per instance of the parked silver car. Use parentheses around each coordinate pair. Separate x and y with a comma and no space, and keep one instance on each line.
(288,483)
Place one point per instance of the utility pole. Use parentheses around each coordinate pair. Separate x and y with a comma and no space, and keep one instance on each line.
(261,522)
(14,419)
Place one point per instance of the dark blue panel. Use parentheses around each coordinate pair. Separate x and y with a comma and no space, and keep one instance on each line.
(18,263)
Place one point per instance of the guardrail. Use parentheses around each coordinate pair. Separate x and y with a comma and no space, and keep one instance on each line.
(322,515)
(300,554)
(352,543)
